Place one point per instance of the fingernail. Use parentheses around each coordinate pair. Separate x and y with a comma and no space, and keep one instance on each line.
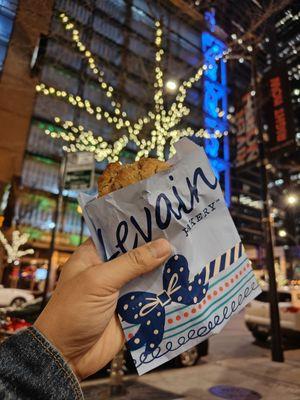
(160,248)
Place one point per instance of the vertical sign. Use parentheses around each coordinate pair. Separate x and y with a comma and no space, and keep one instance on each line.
(246,139)
(79,171)
(215,103)
(279,111)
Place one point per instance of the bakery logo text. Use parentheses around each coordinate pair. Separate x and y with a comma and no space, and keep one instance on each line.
(165,210)
(200,216)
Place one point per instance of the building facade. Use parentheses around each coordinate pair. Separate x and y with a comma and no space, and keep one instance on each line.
(277,49)
(120,34)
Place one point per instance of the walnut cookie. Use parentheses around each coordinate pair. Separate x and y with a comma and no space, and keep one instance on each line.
(117,176)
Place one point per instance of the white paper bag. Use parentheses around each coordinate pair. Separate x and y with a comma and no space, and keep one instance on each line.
(207,279)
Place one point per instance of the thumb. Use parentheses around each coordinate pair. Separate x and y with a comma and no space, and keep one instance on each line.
(136,262)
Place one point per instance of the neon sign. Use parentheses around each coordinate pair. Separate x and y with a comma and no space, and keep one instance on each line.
(215,103)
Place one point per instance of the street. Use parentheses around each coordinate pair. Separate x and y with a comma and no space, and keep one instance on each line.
(234,359)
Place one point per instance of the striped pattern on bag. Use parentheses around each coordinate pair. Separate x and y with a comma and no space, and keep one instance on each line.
(213,268)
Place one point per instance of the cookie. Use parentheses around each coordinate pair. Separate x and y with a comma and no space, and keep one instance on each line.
(117,176)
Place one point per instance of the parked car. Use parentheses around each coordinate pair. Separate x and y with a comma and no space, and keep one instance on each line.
(9,326)
(190,357)
(13,325)
(28,311)
(14,297)
(257,316)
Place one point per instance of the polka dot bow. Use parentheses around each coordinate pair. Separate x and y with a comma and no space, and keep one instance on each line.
(147,310)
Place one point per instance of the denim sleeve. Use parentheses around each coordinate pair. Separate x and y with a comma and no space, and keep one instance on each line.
(31,368)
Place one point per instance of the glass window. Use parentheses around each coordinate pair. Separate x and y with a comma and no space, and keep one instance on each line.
(40,173)
(8,10)
(9,6)
(42,144)
(5,27)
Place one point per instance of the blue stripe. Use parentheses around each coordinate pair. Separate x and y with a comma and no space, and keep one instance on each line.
(222,264)
(232,255)
(212,268)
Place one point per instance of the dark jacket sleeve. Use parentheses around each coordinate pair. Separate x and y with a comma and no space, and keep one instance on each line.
(31,368)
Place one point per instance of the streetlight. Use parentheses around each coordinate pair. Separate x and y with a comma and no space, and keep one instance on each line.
(291,199)
(171,85)
(282,233)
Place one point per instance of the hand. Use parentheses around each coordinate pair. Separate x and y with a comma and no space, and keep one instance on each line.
(80,319)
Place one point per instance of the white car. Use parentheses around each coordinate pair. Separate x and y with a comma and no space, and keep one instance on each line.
(14,297)
(257,315)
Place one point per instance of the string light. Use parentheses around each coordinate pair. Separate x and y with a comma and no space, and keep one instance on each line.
(164,121)
(238,41)
(107,88)
(288,16)
(171,85)
(13,250)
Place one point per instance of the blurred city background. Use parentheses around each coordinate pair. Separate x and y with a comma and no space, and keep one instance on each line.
(84,83)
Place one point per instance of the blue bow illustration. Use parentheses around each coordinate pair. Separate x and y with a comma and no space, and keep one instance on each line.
(148,309)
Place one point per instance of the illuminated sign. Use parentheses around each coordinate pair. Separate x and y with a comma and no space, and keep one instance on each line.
(247,151)
(215,104)
(279,111)
(210,18)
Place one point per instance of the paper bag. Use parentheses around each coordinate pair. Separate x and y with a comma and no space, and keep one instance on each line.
(207,279)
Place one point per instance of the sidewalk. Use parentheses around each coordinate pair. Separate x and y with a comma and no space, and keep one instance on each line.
(271,380)
(234,358)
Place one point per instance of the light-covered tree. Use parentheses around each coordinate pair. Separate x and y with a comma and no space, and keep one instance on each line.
(13,250)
